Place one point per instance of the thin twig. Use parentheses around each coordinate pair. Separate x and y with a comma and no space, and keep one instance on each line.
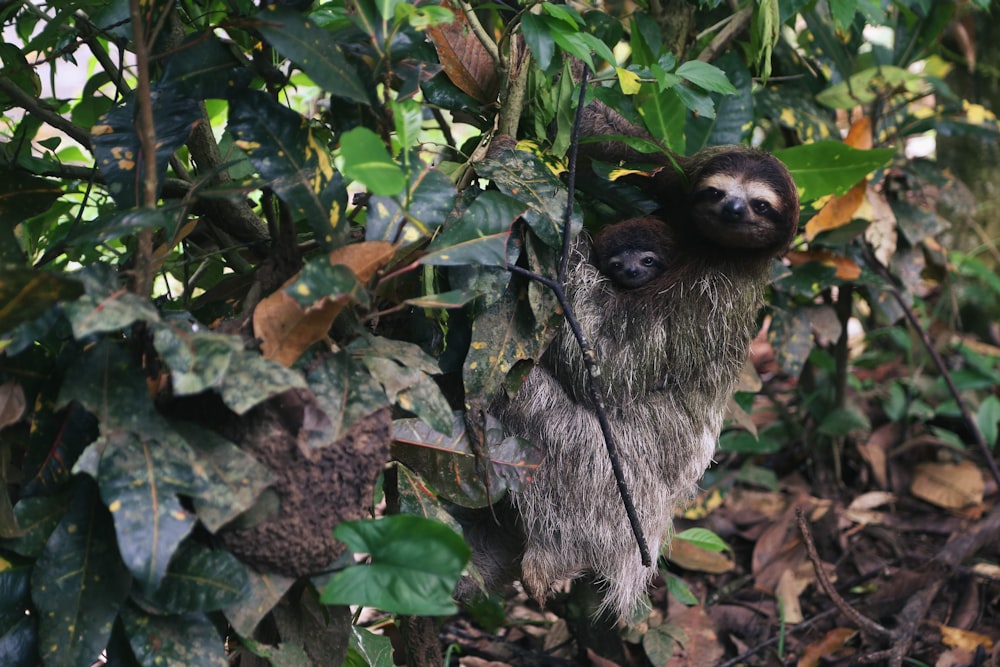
(970,421)
(859,619)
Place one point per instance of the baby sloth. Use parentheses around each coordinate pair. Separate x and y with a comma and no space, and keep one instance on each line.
(670,348)
(631,254)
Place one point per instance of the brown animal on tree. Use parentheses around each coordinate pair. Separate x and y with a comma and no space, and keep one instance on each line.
(669,353)
(632,253)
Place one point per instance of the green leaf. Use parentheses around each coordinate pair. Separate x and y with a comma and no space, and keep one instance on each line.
(118,151)
(412,390)
(108,383)
(27,293)
(290,157)
(368,649)
(428,204)
(36,518)
(480,235)
(106,306)
(447,461)
(415,564)
(663,115)
(253,379)
(313,49)
(987,417)
(266,590)
(319,279)
(141,477)
(703,538)
(539,39)
(706,76)
(866,86)
(78,583)
(19,641)
(202,579)
(524,177)
(174,641)
(202,67)
(22,196)
(450,299)
(345,392)
(366,160)
(830,167)
(231,481)
(197,360)
(844,421)
(679,590)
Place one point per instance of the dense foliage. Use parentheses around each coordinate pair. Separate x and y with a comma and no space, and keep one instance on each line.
(251,226)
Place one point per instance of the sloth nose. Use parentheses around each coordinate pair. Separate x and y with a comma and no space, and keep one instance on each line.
(734,209)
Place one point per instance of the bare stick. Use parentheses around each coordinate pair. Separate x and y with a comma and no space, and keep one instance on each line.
(574,145)
(859,619)
(146,130)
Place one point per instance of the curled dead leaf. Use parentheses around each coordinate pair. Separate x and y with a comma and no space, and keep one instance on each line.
(286,329)
(949,485)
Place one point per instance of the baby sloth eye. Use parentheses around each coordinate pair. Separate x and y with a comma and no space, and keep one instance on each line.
(760,207)
(647,261)
(616,266)
(713,194)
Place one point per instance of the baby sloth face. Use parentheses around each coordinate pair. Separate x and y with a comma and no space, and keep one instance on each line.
(633,267)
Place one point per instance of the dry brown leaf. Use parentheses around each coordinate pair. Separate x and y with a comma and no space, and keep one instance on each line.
(787,592)
(830,644)
(702,647)
(286,330)
(466,61)
(860,134)
(693,557)
(847,269)
(949,485)
(12,403)
(875,450)
(964,639)
(838,211)
(883,232)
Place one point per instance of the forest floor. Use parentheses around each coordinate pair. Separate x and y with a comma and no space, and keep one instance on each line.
(882,552)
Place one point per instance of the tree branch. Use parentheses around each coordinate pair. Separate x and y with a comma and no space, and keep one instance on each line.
(43,111)
(146,131)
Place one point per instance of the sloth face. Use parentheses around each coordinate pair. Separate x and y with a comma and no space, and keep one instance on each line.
(633,267)
(744,199)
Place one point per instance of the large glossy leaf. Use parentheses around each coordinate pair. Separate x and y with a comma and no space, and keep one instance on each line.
(231,479)
(313,49)
(107,305)
(265,592)
(18,629)
(450,466)
(79,583)
(140,476)
(428,203)
(412,390)
(480,235)
(109,384)
(415,564)
(368,649)
(286,153)
(345,392)
(115,142)
(830,167)
(202,579)
(522,176)
(36,518)
(174,641)
(27,293)
(202,67)
(663,114)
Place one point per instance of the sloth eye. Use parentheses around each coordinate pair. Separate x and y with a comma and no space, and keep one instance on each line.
(647,261)
(760,207)
(616,266)
(712,194)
